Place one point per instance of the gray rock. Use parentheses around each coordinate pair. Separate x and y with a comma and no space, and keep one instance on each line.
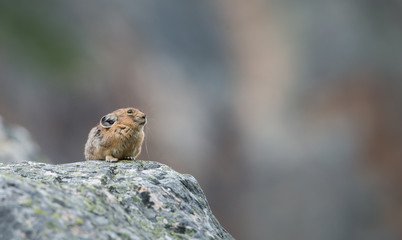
(16,144)
(100,200)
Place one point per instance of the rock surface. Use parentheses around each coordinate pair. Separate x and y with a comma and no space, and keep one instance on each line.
(16,144)
(100,200)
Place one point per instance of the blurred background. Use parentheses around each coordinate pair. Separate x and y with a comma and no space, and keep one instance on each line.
(287,112)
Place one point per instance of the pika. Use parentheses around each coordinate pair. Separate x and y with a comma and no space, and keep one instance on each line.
(118,136)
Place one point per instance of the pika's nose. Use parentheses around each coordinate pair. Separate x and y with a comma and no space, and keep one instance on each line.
(144,119)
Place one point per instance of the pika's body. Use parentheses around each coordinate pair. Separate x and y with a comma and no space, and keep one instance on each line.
(118,136)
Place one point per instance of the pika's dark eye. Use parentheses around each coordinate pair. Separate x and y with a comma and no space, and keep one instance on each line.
(130,111)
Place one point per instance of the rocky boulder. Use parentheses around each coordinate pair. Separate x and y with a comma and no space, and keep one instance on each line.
(16,144)
(100,200)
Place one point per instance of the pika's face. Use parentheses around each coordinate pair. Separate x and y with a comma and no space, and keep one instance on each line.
(129,117)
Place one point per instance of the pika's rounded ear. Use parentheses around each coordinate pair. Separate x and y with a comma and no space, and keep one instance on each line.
(108,120)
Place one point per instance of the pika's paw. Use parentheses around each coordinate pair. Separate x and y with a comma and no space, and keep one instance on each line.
(111,159)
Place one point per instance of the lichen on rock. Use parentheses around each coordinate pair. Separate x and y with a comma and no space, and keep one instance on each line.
(99,200)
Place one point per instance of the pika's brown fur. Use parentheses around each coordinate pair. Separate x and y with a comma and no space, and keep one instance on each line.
(118,136)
